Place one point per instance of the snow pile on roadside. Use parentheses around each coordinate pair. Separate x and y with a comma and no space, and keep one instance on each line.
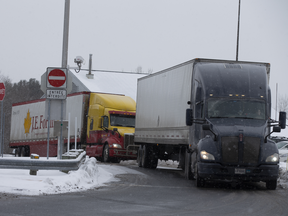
(89,175)
(283,176)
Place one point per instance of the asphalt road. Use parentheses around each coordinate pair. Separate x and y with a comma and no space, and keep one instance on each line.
(153,192)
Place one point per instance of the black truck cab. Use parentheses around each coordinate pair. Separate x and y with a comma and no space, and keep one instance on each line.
(230,123)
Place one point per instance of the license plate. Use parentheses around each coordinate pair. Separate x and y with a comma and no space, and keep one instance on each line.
(240,171)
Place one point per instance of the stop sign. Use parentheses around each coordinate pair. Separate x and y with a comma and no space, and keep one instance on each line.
(56,78)
(2,91)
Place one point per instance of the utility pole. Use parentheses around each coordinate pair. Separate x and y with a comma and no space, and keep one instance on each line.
(64,61)
(237,48)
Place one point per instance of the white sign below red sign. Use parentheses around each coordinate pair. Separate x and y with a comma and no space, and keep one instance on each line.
(56,94)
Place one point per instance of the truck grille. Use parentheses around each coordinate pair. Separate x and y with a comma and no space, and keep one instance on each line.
(128,140)
(243,153)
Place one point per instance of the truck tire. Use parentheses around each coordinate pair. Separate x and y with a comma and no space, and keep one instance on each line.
(139,156)
(187,168)
(271,185)
(106,153)
(17,152)
(200,182)
(24,151)
(149,157)
(144,156)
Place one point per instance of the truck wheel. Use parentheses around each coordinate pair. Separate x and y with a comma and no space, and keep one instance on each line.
(139,156)
(200,182)
(17,152)
(106,153)
(24,151)
(144,157)
(187,168)
(271,185)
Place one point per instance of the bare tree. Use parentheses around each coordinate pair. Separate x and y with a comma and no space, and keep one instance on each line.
(15,93)
(139,69)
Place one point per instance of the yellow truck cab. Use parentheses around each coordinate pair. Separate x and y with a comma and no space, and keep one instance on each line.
(110,127)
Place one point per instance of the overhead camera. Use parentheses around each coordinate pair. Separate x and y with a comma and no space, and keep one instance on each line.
(78,60)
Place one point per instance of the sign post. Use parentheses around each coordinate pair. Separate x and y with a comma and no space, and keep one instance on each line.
(56,89)
(2,95)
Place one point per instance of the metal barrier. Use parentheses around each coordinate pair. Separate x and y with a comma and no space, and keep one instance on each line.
(40,164)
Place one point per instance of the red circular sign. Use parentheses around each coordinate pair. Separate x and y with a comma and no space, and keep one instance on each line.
(2,91)
(56,78)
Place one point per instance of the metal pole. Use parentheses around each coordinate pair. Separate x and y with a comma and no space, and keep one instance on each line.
(65,34)
(3,133)
(276,101)
(75,133)
(64,60)
(68,143)
(1,143)
(90,63)
(61,131)
(48,135)
(237,48)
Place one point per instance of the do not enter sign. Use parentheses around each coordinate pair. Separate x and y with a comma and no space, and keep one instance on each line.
(2,91)
(56,78)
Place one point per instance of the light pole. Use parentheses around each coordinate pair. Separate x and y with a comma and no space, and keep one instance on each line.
(237,48)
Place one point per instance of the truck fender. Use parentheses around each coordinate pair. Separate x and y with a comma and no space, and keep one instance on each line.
(268,149)
(209,145)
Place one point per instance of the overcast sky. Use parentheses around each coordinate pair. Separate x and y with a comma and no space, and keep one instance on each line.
(154,34)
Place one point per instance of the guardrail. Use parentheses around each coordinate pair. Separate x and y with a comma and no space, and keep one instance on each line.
(43,164)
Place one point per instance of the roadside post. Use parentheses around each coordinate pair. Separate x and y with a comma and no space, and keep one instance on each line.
(2,95)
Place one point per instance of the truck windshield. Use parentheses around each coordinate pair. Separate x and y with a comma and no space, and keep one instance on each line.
(233,108)
(122,120)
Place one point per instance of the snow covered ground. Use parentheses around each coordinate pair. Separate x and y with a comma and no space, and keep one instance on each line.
(91,174)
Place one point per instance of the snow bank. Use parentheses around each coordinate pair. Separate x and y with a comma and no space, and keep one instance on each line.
(89,175)
(283,176)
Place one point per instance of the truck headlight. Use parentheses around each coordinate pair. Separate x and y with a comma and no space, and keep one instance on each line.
(116,145)
(206,156)
(273,158)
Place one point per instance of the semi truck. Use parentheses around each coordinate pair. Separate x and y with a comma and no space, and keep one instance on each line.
(100,123)
(213,116)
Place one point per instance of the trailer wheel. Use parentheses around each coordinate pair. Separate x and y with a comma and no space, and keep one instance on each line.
(149,157)
(106,154)
(144,157)
(139,156)
(17,152)
(271,185)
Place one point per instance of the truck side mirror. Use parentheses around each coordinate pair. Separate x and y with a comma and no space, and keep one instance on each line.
(282,120)
(189,117)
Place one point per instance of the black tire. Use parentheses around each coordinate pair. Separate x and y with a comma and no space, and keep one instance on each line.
(23,152)
(144,157)
(149,157)
(271,185)
(17,152)
(200,182)
(187,168)
(106,154)
(139,157)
